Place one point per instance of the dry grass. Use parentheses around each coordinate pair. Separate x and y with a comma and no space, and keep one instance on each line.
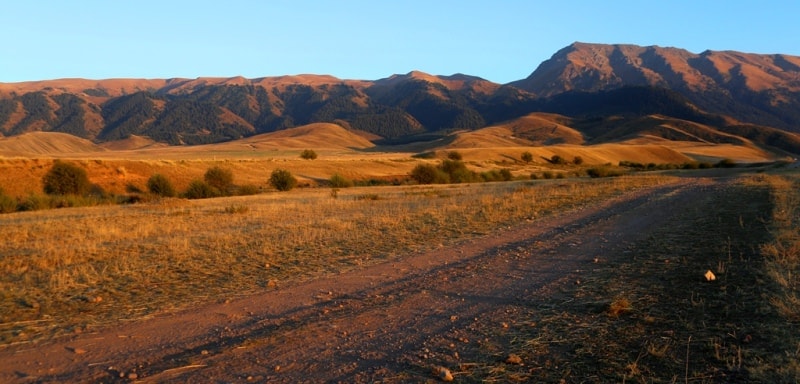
(67,270)
(650,317)
(782,254)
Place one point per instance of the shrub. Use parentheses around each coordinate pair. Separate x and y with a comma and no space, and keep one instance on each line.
(690,165)
(248,189)
(282,180)
(425,174)
(199,189)
(159,185)
(548,175)
(457,171)
(556,159)
(505,174)
(603,172)
(219,178)
(34,203)
(339,181)
(726,163)
(534,176)
(308,154)
(66,179)
(577,160)
(455,155)
(526,157)
(7,203)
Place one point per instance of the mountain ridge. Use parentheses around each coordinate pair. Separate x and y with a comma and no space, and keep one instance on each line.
(734,92)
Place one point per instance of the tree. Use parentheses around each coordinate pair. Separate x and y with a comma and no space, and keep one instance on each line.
(527,157)
(66,179)
(159,185)
(219,178)
(282,180)
(556,159)
(308,154)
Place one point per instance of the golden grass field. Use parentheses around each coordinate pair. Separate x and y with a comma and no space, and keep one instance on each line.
(73,270)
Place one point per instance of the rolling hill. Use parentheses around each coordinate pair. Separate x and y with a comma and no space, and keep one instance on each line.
(600,93)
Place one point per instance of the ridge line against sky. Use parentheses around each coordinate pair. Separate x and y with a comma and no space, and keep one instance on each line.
(501,41)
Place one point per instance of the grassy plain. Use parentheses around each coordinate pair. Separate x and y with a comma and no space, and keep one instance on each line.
(69,270)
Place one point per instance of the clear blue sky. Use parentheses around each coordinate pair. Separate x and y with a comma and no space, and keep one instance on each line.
(498,40)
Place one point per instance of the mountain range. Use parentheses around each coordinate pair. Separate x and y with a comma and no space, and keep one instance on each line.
(584,94)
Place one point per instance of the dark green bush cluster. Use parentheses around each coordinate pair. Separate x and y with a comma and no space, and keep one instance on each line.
(308,154)
(497,175)
(724,163)
(66,179)
(550,175)
(455,171)
(218,182)
(604,171)
(282,180)
(159,185)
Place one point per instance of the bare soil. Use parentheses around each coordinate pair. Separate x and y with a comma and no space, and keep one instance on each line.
(392,322)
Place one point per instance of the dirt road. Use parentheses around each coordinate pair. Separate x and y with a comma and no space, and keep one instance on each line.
(390,322)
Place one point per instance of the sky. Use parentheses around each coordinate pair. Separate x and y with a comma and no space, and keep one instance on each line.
(501,41)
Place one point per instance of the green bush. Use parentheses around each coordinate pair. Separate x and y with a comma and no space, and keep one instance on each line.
(199,189)
(220,179)
(66,179)
(282,180)
(339,181)
(159,185)
(308,154)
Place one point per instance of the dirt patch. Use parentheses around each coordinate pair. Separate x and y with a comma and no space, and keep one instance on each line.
(392,322)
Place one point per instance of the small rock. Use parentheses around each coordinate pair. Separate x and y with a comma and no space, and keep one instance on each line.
(710,276)
(453,318)
(514,359)
(77,351)
(133,376)
(443,374)
(272,284)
